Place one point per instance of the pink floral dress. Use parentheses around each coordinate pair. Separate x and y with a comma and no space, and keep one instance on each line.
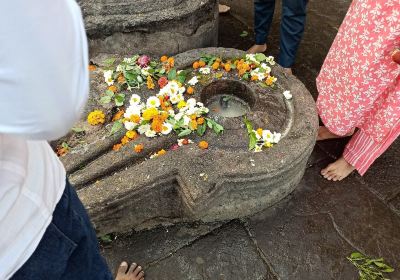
(359,82)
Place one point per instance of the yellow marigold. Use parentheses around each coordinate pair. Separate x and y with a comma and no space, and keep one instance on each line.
(118,115)
(200,120)
(215,65)
(161,152)
(218,60)
(171,61)
(157,124)
(181,104)
(196,65)
(164,58)
(150,83)
(113,88)
(254,78)
(203,145)
(116,147)
(149,113)
(227,67)
(164,116)
(269,81)
(202,63)
(121,79)
(92,67)
(138,148)
(259,131)
(193,124)
(190,90)
(131,134)
(124,140)
(96,117)
(134,118)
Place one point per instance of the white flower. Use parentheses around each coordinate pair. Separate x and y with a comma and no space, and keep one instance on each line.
(133,110)
(135,99)
(287,94)
(276,137)
(251,57)
(180,141)
(145,71)
(258,148)
(153,102)
(130,125)
(119,68)
(150,133)
(143,128)
(171,112)
(266,68)
(186,120)
(258,136)
(108,77)
(178,116)
(191,102)
(270,60)
(267,136)
(128,60)
(176,98)
(166,128)
(193,81)
(205,70)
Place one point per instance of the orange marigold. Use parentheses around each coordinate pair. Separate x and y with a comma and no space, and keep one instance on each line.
(157,124)
(171,61)
(116,147)
(135,118)
(161,152)
(193,124)
(138,148)
(113,88)
(190,90)
(121,79)
(124,140)
(215,65)
(92,67)
(227,67)
(203,145)
(164,58)
(202,63)
(131,134)
(150,83)
(118,115)
(196,65)
(200,121)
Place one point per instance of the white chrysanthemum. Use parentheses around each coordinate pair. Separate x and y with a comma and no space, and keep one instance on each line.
(178,116)
(256,73)
(252,58)
(267,136)
(205,70)
(130,125)
(276,137)
(153,102)
(186,120)
(270,60)
(128,60)
(166,128)
(193,81)
(143,128)
(176,98)
(191,102)
(266,68)
(171,113)
(135,99)
(108,77)
(258,136)
(133,110)
(120,68)
(150,133)
(287,94)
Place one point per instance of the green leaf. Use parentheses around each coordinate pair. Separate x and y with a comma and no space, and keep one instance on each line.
(252,140)
(260,57)
(117,126)
(105,99)
(172,75)
(201,129)
(109,61)
(119,99)
(244,34)
(77,129)
(249,125)
(184,132)
(357,256)
(65,145)
(106,238)
(262,85)
(109,93)
(162,71)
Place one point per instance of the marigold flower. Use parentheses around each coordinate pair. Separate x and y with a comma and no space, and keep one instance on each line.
(215,66)
(162,82)
(227,67)
(164,116)
(259,131)
(121,79)
(202,63)
(161,152)
(92,67)
(196,65)
(149,113)
(150,83)
(200,121)
(157,124)
(96,117)
(138,148)
(193,124)
(254,78)
(118,115)
(131,134)
(181,104)
(190,90)
(113,88)
(134,118)
(124,140)
(61,151)
(203,145)
(171,62)
(164,58)
(117,147)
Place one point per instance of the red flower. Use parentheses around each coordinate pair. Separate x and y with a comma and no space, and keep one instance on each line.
(143,61)
(162,82)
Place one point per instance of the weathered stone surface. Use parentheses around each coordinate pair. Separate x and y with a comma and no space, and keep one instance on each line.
(151,27)
(124,190)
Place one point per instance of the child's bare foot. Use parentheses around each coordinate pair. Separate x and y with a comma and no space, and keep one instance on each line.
(133,273)
(223,9)
(324,134)
(257,49)
(288,71)
(338,170)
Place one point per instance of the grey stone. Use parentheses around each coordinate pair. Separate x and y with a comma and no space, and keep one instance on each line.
(151,27)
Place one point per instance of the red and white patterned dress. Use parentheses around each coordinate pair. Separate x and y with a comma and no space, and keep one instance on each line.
(359,82)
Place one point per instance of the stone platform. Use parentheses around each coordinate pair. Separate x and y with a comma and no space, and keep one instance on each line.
(124,190)
(154,27)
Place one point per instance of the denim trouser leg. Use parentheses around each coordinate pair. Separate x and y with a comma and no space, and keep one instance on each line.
(69,249)
(292,29)
(263,14)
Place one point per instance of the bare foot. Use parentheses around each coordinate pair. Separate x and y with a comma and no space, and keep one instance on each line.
(257,49)
(223,9)
(135,272)
(338,170)
(288,71)
(324,134)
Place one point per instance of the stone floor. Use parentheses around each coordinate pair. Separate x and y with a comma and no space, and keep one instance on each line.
(308,235)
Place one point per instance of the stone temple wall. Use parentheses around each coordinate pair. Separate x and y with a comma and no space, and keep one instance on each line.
(154,27)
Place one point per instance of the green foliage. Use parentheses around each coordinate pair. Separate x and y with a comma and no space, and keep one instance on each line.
(172,75)
(251,133)
(117,126)
(106,238)
(184,132)
(109,61)
(368,268)
(119,99)
(201,129)
(244,34)
(77,129)
(218,129)
(208,59)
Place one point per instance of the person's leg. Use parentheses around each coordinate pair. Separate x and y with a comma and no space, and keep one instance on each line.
(291,30)
(222,9)
(263,14)
(359,154)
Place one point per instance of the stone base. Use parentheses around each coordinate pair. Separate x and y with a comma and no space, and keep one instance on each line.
(151,27)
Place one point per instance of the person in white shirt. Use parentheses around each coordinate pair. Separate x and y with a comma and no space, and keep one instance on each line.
(44,228)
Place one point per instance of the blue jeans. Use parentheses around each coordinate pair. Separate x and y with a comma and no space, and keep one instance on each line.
(69,249)
(291,30)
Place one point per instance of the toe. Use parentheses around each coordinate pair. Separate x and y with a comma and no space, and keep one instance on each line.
(137,271)
(122,268)
(132,268)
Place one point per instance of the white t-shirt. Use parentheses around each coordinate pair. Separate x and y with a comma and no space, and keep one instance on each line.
(43,88)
